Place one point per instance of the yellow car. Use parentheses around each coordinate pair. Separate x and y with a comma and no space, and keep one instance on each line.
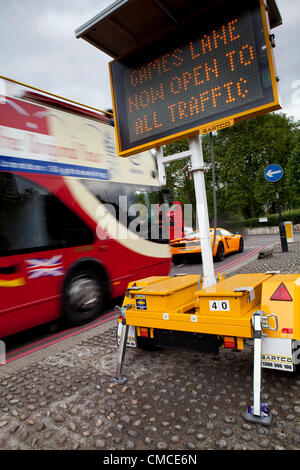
(226,242)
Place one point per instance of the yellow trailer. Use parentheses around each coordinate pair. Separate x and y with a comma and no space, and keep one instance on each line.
(177,312)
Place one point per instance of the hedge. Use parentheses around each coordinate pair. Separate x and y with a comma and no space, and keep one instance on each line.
(273,220)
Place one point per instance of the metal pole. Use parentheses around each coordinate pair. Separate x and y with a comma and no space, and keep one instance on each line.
(202,210)
(213,177)
(257,364)
(121,354)
(260,412)
(284,245)
(161,167)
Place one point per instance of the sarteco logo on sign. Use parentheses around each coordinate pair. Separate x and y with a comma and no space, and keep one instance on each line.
(217,127)
(269,357)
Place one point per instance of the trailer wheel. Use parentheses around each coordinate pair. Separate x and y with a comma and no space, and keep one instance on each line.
(296,356)
(147,344)
(83,296)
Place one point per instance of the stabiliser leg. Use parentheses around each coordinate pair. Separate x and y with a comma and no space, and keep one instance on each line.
(118,378)
(259,412)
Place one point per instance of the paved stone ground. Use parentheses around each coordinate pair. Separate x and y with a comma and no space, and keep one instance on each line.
(173,400)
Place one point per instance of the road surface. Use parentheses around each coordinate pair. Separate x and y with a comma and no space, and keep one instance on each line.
(253,244)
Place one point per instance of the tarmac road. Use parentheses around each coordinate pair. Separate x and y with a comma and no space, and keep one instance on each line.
(253,244)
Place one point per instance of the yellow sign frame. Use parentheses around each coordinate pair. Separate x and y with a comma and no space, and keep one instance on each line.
(213,125)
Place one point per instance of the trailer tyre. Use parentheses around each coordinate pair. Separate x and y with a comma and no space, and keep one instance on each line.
(296,356)
(147,344)
(83,296)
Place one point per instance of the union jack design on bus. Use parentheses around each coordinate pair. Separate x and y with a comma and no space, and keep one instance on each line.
(45,267)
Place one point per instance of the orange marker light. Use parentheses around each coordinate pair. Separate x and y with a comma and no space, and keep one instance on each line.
(144,332)
(229,342)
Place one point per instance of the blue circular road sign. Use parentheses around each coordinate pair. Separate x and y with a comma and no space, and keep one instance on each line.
(273,173)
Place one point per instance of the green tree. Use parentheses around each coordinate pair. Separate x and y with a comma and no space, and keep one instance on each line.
(242,153)
(180,179)
(293,177)
(178,175)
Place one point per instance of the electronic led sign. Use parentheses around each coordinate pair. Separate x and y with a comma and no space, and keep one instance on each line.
(205,75)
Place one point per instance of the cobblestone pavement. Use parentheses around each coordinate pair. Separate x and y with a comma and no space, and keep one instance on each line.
(173,400)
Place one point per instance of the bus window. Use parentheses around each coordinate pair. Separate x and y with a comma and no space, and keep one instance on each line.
(32,219)
(150,197)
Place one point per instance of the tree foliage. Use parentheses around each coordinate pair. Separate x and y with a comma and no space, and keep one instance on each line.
(293,177)
(242,153)
(178,176)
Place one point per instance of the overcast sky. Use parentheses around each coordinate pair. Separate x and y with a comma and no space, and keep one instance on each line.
(38,47)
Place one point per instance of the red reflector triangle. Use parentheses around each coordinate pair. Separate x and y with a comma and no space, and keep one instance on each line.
(281,293)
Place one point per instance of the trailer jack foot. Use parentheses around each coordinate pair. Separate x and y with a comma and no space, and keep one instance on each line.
(265,417)
(119,380)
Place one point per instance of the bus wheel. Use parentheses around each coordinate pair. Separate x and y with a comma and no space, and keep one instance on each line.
(83,296)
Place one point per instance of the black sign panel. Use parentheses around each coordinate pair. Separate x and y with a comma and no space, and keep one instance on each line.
(216,67)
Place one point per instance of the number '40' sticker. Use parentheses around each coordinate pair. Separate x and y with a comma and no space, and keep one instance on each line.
(219,305)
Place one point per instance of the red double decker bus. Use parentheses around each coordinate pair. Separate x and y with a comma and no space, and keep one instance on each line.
(60,188)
